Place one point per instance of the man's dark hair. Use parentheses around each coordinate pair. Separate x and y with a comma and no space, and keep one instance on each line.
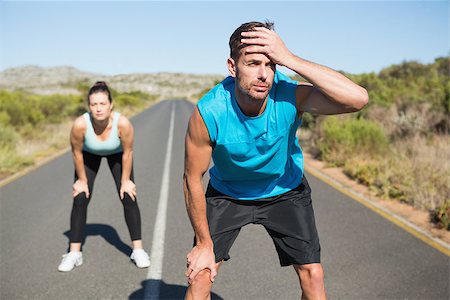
(235,38)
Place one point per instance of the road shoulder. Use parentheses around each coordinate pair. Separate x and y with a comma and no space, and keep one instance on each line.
(405,216)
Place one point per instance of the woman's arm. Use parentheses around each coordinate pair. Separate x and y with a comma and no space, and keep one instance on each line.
(126,134)
(76,141)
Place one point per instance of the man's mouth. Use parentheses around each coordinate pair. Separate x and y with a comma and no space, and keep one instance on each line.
(261,87)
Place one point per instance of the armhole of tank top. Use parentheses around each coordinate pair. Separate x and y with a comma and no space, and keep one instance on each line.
(116,123)
(89,128)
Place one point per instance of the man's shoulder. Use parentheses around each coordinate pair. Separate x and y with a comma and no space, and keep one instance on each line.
(283,88)
(220,93)
(281,78)
(214,105)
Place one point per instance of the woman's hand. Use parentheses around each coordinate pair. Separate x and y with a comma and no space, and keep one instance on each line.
(128,187)
(79,187)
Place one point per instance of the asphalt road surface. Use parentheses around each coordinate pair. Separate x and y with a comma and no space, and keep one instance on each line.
(364,255)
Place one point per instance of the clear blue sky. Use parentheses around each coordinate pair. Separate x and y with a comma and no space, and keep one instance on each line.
(116,37)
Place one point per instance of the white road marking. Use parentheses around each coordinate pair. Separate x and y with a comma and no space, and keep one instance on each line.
(154,274)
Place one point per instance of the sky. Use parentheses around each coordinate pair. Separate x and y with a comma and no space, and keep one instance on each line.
(121,37)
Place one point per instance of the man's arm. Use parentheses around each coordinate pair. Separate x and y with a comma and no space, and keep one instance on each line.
(126,133)
(330,92)
(76,142)
(198,151)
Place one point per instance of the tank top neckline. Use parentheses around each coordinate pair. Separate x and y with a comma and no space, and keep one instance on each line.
(111,132)
(242,114)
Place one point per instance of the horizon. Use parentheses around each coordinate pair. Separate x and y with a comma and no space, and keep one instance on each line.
(146,37)
(206,74)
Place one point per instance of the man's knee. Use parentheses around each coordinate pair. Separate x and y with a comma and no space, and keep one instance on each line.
(200,286)
(203,278)
(312,273)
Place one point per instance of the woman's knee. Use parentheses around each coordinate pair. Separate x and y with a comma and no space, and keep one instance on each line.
(80,200)
(128,202)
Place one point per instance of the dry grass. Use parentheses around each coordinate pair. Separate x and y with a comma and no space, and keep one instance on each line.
(415,170)
(42,141)
(427,160)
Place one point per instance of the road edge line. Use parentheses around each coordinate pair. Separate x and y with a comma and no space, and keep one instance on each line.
(406,225)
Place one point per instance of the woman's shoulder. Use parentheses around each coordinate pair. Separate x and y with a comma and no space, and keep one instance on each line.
(79,128)
(123,122)
(80,123)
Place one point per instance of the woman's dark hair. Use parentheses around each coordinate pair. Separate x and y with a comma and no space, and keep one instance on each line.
(100,87)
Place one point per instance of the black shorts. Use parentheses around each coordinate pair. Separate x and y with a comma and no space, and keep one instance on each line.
(288,218)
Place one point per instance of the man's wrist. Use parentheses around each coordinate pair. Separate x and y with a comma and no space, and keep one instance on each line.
(292,61)
(204,243)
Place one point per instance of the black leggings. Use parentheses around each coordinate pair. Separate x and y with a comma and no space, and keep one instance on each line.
(80,202)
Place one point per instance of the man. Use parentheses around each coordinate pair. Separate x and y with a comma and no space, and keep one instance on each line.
(247,125)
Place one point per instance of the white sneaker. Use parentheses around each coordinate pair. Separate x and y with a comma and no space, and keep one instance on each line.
(140,258)
(70,260)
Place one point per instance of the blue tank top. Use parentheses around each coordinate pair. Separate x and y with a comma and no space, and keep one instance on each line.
(254,157)
(111,145)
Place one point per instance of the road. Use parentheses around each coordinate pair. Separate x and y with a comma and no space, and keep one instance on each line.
(364,255)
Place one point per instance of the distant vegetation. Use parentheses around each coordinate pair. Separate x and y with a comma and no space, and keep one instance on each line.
(399,145)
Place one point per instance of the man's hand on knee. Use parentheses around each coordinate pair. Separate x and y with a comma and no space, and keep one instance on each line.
(199,259)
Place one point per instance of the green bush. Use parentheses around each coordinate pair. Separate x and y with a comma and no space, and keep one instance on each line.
(365,172)
(8,137)
(341,138)
(70,105)
(20,108)
(4,118)
(127,100)
(441,216)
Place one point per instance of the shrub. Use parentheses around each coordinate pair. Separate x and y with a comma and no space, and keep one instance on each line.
(17,106)
(4,118)
(340,139)
(127,100)
(441,215)
(8,137)
(365,172)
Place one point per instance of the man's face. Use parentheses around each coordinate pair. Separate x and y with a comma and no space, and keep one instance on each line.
(254,74)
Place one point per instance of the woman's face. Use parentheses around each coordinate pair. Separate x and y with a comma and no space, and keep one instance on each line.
(99,106)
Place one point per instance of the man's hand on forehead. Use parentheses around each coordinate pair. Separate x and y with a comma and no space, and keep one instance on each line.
(266,41)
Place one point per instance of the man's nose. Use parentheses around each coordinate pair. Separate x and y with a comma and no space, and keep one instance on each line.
(262,73)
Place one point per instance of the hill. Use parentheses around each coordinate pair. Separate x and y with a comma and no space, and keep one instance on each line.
(66,79)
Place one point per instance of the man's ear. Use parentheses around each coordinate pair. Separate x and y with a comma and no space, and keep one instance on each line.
(231,66)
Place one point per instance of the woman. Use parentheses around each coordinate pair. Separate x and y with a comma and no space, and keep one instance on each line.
(96,134)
